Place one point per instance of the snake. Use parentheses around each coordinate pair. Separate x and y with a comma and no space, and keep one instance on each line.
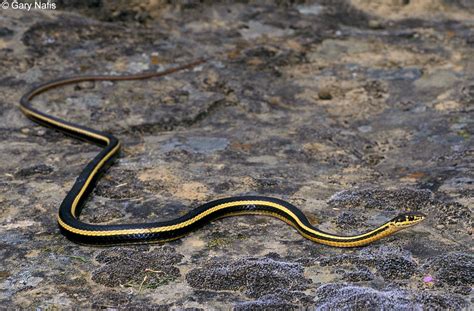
(81,232)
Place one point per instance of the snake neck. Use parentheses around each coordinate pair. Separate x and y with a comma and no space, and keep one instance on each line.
(322,237)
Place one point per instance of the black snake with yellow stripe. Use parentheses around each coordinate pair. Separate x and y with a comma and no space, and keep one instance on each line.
(81,232)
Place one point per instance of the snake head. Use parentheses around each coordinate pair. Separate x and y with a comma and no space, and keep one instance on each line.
(407,219)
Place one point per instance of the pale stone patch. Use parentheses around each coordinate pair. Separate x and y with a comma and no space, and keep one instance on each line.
(447,105)
(397,9)
(192,191)
(17,225)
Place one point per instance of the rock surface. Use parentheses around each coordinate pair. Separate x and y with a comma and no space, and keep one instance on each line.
(352,110)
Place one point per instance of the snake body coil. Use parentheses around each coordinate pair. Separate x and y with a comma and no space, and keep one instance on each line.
(78,231)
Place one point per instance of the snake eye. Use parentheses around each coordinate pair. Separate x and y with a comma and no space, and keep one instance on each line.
(408,219)
(400,219)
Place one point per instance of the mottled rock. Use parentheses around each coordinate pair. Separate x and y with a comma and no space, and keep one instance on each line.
(362,274)
(390,263)
(437,79)
(396,267)
(136,268)
(349,220)
(265,304)
(253,276)
(454,269)
(400,199)
(349,297)
(467,94)
(435,301)
(5,32)
(196,144)
(343,297)
(40,169)
(124,301)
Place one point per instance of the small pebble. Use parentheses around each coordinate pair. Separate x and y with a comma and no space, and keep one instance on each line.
(365,128)
(324,94)
(154,58)
(375,24)
(85,85)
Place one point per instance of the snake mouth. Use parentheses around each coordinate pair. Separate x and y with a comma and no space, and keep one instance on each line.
(415,216)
